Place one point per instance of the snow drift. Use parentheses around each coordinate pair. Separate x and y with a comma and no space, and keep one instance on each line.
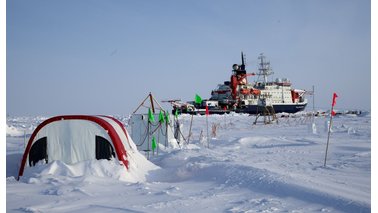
(248,168)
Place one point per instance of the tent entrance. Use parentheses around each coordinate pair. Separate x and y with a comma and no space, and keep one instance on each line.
(38,151)
(104,150)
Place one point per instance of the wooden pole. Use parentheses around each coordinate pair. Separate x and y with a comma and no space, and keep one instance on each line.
(190,128)
(207,130)
(313,103)
(166,130)
(157,147)
(152,103)
(158,103)
(141,104)
(148,140)
(313,98)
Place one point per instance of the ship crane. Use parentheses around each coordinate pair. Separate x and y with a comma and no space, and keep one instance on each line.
(250,74)
(239,77)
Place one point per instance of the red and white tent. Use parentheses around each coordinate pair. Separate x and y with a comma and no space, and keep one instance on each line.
(75,138)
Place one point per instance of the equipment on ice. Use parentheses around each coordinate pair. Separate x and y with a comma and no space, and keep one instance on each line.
(153,128)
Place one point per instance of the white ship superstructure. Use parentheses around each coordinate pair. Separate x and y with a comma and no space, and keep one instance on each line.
(242,96)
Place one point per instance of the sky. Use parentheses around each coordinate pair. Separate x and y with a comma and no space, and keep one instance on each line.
(104,57)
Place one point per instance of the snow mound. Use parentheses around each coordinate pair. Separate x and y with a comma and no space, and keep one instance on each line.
(13,131)
(85,170)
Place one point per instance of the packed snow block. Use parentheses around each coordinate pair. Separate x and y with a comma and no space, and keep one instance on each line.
(71,139)
(312,128)
(327,126)
(143,130)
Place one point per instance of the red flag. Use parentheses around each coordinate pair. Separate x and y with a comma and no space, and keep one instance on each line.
(207,110)
(334,99)
(333,113)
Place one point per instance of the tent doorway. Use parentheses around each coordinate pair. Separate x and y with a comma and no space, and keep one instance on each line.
(104,150)
(38,151)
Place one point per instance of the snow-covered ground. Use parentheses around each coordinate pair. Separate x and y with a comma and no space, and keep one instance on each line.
(247,168)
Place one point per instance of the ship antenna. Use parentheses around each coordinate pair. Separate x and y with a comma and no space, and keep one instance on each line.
(264,68)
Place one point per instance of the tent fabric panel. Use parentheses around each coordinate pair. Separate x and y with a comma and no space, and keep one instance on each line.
(72,141)
(121,131)
(118,122)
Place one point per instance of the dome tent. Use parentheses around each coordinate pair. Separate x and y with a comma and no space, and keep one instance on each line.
(75,138)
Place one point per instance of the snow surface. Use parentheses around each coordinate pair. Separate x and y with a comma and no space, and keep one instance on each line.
(247,168)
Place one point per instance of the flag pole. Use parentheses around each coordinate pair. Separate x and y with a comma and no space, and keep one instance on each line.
(329,128)
(157,148)
(329,133)
(148,140)
(166,128)
(207,131)
(190,128)
(207,126)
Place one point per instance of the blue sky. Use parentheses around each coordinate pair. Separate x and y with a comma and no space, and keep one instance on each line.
(104,57)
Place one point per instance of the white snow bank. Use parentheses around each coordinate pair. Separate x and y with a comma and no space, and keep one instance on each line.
(84,170)
(14,131)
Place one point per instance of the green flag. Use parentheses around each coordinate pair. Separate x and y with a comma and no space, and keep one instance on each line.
(167,117)
(161,117)
(153,145)
(151,117)
(198,99)
(176,113)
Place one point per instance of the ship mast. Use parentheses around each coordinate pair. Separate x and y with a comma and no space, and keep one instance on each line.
(242,67)
(264,68)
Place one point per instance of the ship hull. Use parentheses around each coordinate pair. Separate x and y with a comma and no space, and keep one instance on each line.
(252,109)
(278,108)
